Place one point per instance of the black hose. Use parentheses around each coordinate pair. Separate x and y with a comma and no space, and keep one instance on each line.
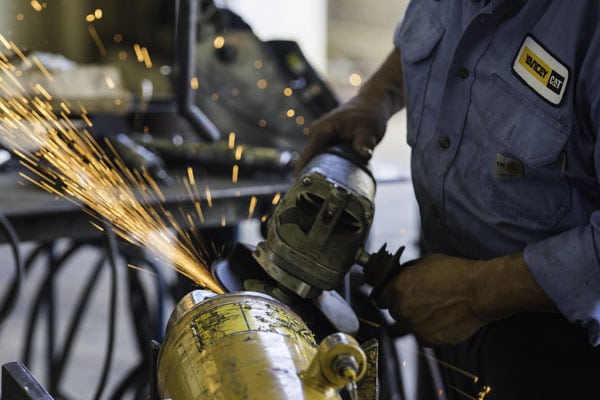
(10,298)
(113,252)
(61,360)
(127,384)
(39,300)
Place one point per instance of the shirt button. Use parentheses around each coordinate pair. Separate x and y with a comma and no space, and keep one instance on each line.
(435,212)
(444,142)
(463,73)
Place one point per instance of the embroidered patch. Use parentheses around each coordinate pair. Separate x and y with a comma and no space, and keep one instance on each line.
(541,71)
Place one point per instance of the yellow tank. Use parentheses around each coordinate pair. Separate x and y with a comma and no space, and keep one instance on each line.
(247,345)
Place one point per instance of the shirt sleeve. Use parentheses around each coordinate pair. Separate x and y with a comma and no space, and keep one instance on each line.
(567,265)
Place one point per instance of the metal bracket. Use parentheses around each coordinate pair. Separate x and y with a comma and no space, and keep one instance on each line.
(188,13)
(18,383)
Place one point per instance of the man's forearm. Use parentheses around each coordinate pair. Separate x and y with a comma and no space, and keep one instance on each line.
(505,286)
(385,88)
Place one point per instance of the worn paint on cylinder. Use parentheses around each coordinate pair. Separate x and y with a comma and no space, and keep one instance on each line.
(238,346)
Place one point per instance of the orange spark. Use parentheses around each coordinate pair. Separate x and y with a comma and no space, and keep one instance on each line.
(19,53)
(36,5)
(146,58)
(208,196)
(486,390)
(60,156)
(97,40)
(235,171)
(452,367)
(137,49)
(42,68)
(43,91)
(141,269)
(252,206)
(462,392)
(238,152)
(109,82)
(276,199)
(194,83)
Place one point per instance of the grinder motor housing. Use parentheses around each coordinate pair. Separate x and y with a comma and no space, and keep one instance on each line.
(319,228)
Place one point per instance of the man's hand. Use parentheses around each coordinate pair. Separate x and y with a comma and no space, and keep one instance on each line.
(445,300)
(356,123)
(360,122)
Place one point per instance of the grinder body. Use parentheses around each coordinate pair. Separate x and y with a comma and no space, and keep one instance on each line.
(319,227)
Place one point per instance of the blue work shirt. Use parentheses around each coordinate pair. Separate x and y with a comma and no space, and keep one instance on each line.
(503,119)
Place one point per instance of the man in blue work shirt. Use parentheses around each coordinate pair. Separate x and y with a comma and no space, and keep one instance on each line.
(503,108)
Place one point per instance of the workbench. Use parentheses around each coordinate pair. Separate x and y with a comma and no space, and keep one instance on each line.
(37,215)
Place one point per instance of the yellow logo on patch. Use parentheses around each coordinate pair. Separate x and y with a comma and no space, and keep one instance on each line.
(541,71)
(538,68)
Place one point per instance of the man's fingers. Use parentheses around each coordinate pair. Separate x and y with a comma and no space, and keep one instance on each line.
(318,141)
(363,144)
(400,327)
(386,296)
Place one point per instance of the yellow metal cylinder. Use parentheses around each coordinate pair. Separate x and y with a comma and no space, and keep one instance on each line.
(238,346)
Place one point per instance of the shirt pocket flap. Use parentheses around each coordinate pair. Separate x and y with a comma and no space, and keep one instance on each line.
(416,37)
(530,133)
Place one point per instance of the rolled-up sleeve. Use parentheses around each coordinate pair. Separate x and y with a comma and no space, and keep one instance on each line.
(567,265)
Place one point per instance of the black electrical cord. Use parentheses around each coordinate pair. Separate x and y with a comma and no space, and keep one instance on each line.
(161,295)
(34,254)
(157,332)
(113,253)
(45,298)
(140,310)
(50,319)
(145,322)
(142,320)
(38,302)
(389,372)
(62,357)
(148,324)
(55,265)
(10,298)
(136,380)
(129,381)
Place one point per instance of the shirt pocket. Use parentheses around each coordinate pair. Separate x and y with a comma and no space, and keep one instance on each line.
(417,38)
(524,131)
